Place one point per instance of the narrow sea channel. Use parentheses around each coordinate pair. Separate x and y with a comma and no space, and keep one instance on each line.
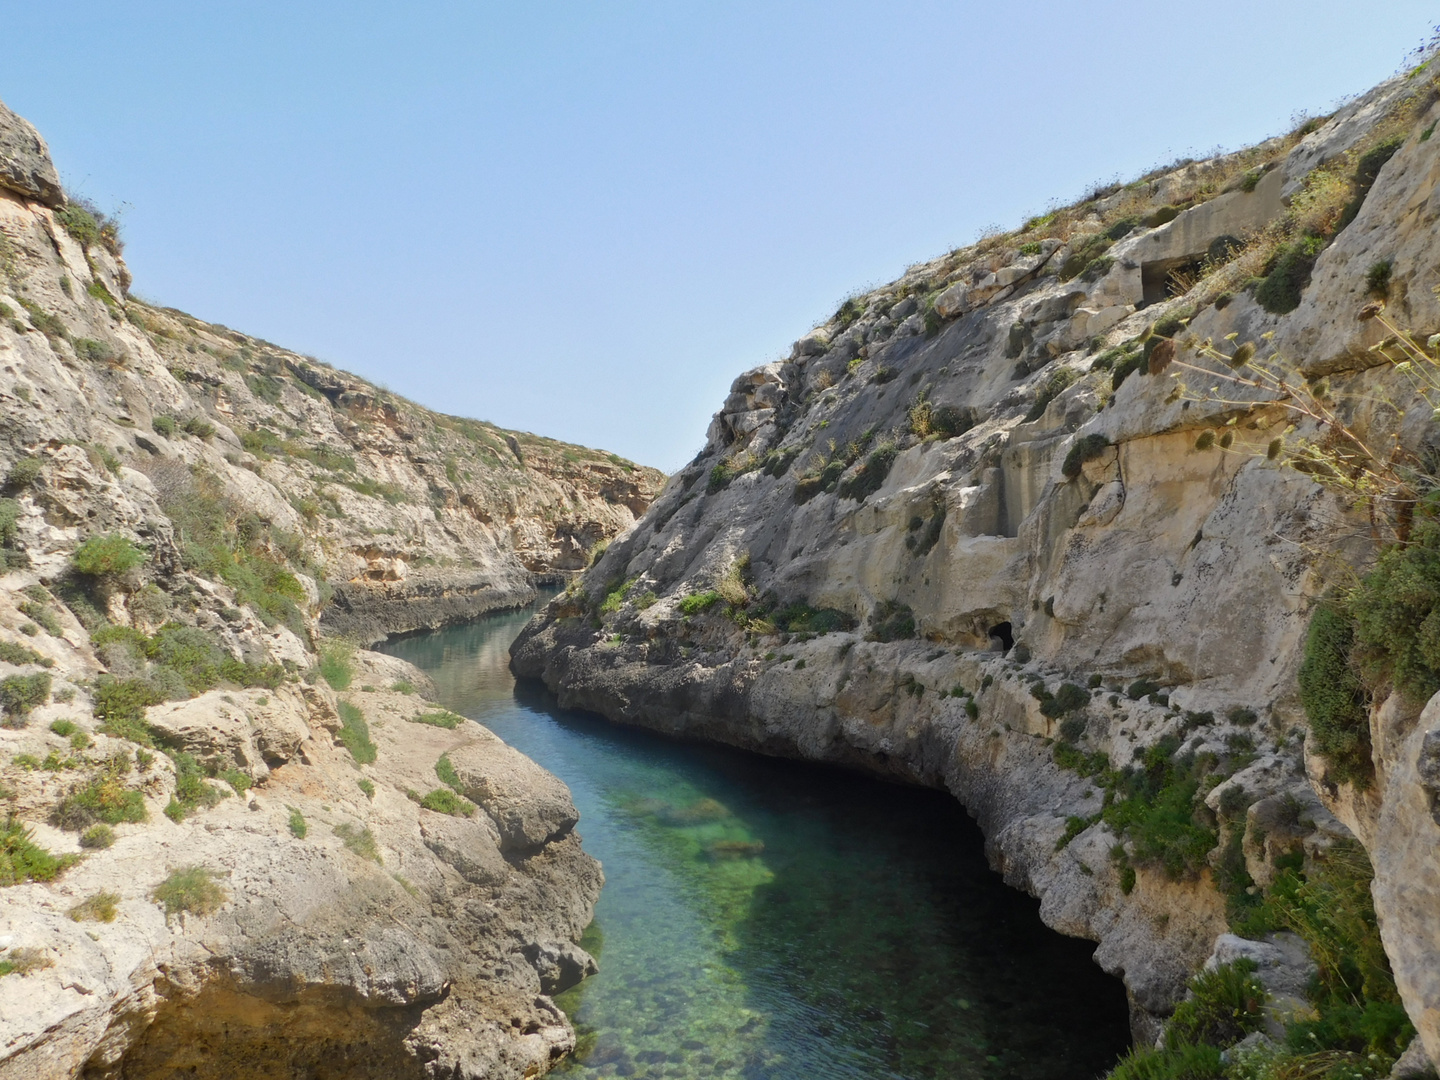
(768,919)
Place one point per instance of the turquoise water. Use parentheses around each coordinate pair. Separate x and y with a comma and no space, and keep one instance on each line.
(765,918)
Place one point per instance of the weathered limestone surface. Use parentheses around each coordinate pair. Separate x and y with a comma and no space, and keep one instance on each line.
(435,960)
(1159,558)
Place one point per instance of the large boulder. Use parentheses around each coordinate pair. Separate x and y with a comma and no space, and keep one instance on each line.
(529,806)
(25,165)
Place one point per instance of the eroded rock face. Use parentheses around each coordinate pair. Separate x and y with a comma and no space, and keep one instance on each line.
(25,165)
(430,953)
(1006,485)
(170,709)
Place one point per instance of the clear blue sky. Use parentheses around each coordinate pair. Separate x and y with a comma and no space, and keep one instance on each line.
(584,219)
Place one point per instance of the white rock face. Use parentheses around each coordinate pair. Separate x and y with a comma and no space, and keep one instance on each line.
(998,481)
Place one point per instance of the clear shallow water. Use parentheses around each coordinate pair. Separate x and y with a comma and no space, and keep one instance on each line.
(765,918)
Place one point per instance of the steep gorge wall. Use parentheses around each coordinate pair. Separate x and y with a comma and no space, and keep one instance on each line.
(212,863)
(995,449)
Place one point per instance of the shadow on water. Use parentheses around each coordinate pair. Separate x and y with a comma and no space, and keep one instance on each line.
(765,918)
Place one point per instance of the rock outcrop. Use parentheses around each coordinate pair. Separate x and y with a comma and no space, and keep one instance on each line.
(355,932)
(1009,523)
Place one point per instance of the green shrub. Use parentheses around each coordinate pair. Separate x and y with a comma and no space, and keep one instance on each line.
(120,706)
(1225,1005)
(1367,171)
(799,617)
(1083,254)
(49,325)
(97,837)
(192,792)
(336,663)
(1377,279)
(163,425)
(368,787)
(95,352)
(42,614)
(24,472)
(1179,1063)
(1141,688)
(441,718)
(1280,291)
(1066,699)
(107,555)
(102,907)
(445,770)
(698,602)
(13,653)
(21,859)
(296,824)
(239,782)
(892,621)
(400,686)
(198,426)
(445,801)
(79,223)
(21,693)
(1333,696)
(192,889)
(359,841)
(354,734)
(869,478)
(1087,448)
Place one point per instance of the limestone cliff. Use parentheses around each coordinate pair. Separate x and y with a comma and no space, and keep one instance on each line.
(416,518)
(1003,526)
(211,863)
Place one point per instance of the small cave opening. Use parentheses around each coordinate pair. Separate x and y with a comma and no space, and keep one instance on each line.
(1002,633)
(1161,280)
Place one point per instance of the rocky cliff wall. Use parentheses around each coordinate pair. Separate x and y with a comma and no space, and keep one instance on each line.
(211,863)
(394,502)
(1010,526)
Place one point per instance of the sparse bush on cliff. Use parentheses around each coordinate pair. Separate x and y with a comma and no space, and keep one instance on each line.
(354,733)
(192,792)
(1087,448)
(337,663)
(1225,1005)
(24,472)
(892,621)
(445,801)
(87,224)
(695,603)
(21,693)
(359,841)
(1334,698)
(870,476)
(190,889)
(1280,291)
(1183,1063)
(441,718)
(21,859)
(108,555)
(103,906)
(1377,279)
(104,798)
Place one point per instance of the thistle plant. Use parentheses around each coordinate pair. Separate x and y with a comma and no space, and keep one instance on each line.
(1366,464)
